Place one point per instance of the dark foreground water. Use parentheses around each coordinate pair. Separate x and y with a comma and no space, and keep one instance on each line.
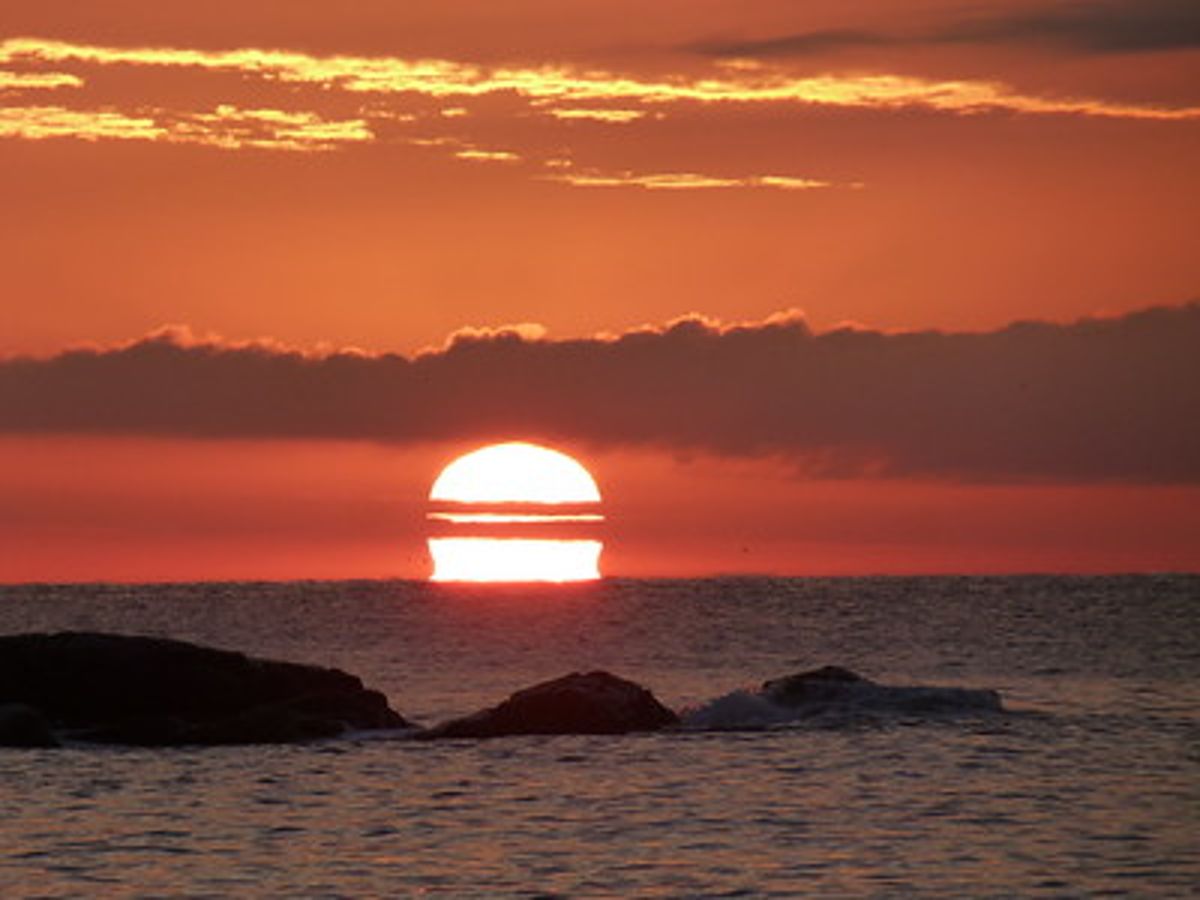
(1090,785)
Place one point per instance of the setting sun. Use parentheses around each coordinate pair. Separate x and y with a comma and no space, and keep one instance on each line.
(515,472)
(514,559)
(515,476)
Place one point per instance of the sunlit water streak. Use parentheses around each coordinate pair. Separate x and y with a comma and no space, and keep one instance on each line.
(1090,785)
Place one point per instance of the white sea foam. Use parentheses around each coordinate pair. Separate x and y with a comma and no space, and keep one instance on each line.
(833,701)
(736,711)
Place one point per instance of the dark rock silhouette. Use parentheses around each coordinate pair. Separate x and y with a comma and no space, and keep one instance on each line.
(592,703)
(24,726)
(145,691)
(157,692)
(835,686)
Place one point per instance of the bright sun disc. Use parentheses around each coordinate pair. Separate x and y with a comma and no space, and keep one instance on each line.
(515,473)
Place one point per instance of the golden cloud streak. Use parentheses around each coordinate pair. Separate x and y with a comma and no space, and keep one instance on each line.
(227,127)
(606,116)
(232,128)
(41,122)
(30,81)
(475,154)
(684,181)
(564,84)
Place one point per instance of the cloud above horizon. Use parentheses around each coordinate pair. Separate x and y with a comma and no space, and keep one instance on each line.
(1096,400)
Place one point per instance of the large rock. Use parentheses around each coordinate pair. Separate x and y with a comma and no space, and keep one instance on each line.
(154,691)
(24,726)
(833,686)
(592,703)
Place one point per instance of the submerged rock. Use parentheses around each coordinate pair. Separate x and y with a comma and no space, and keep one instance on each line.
(592,703)
(158,692)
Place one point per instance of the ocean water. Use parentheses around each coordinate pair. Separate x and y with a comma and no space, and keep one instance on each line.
(1089,783)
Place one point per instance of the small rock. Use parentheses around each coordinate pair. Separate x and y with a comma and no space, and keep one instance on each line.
(592,703)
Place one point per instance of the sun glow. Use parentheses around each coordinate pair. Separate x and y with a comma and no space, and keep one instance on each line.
(525,475)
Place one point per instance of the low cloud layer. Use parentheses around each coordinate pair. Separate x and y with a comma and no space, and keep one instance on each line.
(1103,399)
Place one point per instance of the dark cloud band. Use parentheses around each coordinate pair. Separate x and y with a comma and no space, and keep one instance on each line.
(1095,400)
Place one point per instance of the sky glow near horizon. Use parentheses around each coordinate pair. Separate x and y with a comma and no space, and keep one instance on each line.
(317,250)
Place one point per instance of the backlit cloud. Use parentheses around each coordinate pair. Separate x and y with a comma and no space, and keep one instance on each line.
(478,154)
(226,127)
(230,127)
(37,81)
(606,116)
(567,85)
(1103,399)
(681,181)
(40,122)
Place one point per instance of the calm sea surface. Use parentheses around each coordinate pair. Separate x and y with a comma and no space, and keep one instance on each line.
(1090,785)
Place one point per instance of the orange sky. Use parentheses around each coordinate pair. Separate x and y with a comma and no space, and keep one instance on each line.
(380,176)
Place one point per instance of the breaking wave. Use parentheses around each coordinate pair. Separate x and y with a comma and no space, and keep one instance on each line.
(831,697)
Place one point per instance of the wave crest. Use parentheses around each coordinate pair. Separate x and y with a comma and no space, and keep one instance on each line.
(833,696)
